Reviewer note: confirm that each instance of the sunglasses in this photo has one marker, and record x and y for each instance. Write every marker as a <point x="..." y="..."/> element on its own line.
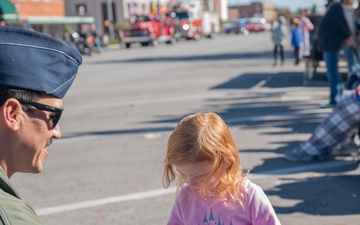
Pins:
<point x="54" y="118"/>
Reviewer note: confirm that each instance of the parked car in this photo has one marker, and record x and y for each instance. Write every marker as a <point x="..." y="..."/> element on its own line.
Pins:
<point x="236" y="26"/>
<point x="257" y="25"/>
<point x="227" y="28"/>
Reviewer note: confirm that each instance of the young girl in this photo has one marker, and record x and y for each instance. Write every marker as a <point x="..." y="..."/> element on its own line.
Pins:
<point x="201" y="153"/>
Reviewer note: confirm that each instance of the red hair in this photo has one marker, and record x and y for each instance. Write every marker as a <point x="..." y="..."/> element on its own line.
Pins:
<point x="204" y="137"/>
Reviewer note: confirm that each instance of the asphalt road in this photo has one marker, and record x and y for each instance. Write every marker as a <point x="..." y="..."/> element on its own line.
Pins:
<point x="107" y="168"/>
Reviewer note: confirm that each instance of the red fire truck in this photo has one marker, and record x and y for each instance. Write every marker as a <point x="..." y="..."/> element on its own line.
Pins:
<point x="150" y="30"/>
<point x="194" y="21"/>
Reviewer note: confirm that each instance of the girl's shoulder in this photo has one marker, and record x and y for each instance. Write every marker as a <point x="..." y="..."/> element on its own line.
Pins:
<point x="251" y="188"/>
<point x="248" y="185"/>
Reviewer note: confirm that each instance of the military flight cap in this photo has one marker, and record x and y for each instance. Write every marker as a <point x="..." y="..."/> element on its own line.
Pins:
<point x="36" y="61"/>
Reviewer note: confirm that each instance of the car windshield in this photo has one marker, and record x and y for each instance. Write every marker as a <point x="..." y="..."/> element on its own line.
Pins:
<point x="182" y="15"/>
<point x="142" y="18"/>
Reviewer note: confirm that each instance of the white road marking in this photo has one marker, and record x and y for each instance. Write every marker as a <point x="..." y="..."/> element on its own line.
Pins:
<point x="172" y="190"/>
<point x="287" y="98"/>
<point x="261" y="83"/>
<point x="105" y="201"/>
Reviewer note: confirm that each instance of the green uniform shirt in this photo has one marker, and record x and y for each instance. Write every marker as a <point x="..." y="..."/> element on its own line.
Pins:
<point x="13" y="210"/>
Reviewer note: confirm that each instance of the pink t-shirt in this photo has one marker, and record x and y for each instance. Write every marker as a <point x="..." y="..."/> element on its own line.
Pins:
<point x="190" y="209"/>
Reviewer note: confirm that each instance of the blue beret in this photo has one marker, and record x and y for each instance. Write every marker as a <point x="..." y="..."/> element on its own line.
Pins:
<point x="35" y="61"/>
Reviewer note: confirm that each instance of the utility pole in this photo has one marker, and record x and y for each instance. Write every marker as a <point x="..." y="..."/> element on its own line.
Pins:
<point x="111" y="20"/>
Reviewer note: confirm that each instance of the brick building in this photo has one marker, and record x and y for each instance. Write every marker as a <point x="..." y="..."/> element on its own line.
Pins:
<point x="47" y="16"/>
<point x="266" y="10"/>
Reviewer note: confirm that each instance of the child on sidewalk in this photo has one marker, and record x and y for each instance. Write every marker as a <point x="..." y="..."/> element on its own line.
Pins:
<point x="296" y="39"/>
<point x="202" y="154"/>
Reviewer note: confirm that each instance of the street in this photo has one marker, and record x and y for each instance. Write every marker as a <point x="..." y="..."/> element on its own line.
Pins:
<point x="107" y="167"/>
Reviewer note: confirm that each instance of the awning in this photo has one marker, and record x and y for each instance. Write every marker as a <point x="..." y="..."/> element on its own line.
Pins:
<point x="8" y="11"/>
<point x="57" y="19"/>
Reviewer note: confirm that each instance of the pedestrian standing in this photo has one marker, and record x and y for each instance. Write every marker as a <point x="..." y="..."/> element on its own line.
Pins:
<point x="2" y="22"/>
<point x="201" y="153"/>
<point x="334" y="33"/>
<point x="296" y="39"/>
<point x="97" y="41"/>
<point x="350" y="51"/>
<point x="306" y="26"/>
<point x="36" y="71"/>
<point x="278" y="36"/>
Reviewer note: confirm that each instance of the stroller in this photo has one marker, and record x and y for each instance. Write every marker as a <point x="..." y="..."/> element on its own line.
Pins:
<point x="312" y="62"/>
<point x="315" y="59"/>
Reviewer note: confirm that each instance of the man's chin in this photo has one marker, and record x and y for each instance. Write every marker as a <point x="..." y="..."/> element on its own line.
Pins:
<point x="37" y="169"/>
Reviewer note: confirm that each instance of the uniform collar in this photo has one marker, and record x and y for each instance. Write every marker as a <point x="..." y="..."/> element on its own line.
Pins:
<point x="5" y="184"/>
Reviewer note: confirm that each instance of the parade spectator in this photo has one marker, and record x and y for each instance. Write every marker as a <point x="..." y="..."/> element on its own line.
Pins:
<point x="202" y="154"/>
<point x="67" y="38"/>
<point x="296" y="39"/>
<point x="328" y="4"/>
<point x="333" y="34"/>
<point x="306" y="26"/>
<point x="278" y="36"/>
<point x="350" y="51"/>
<point x="36" y="71"/>
<point x="97" y="41"/>
<point x="2" y="22"/>
<point x="357" y="27"/>
<point x="353" y="77"/>
<point x="335" y="133"/>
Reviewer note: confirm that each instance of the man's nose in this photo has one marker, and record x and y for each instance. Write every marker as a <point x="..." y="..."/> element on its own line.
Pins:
<point x="57" y="132"/>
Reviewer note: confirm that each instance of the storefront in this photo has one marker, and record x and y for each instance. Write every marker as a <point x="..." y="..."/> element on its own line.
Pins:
<point x="55" y="25"/>
<point x="8" y="11"/>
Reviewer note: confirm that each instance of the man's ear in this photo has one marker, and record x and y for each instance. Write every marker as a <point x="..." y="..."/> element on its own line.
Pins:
<point x="11" y="113"/>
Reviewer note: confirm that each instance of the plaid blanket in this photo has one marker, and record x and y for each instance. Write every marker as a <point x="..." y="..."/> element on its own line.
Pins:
<point x="341" y="124"/>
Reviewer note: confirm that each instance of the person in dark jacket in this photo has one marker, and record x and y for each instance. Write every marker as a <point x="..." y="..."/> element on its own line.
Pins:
<point x="333" y="34"/>
<point x="36" y="71"/>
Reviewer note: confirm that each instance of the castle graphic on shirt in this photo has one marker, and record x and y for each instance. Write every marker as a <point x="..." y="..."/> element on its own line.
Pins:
<point x="212" y="220"/>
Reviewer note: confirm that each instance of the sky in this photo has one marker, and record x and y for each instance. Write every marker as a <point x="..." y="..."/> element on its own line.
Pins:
<point x="293" y="5"/>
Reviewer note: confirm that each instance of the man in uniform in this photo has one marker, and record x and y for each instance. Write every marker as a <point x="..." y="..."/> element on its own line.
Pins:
<point x="36" y="71"/>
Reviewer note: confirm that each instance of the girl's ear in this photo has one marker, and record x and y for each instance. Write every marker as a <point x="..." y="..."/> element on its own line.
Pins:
<point x="10" y="111"/>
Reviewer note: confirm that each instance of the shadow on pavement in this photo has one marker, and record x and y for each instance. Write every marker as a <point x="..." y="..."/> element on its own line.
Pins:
<point x="280" y="166"/>
<point x="274" y="80"/>
<point x="328" y="195"/>
<point x="186" y="58"/>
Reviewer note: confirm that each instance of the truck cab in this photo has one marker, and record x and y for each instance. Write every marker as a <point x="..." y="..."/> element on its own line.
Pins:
<point x="150" y="30"/>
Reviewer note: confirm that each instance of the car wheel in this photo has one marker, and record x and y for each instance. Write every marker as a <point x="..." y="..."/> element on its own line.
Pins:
<point x="171" y="41"/>
<point x="197" y="36"/>
<point x="155" y="42"/>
